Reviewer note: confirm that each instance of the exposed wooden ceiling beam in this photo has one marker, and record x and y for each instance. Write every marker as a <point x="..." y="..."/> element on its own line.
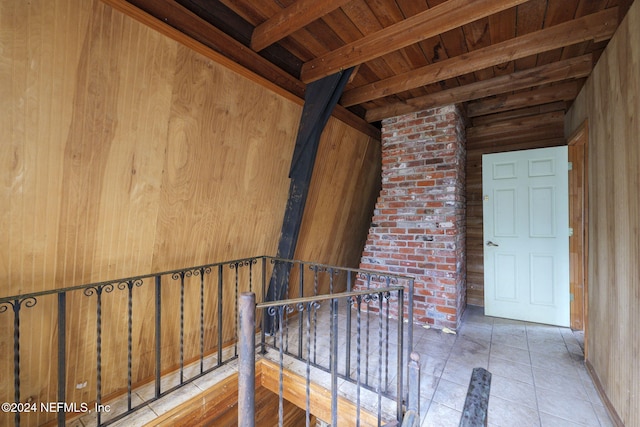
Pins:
<point x="507" y="128"/>
<point x="598" y="26"/>
<point x="563" y="70"/>
<point x="561" y="92"/>
<point x="291" y="19"/>
<point x="223" y="18"/>
<point x="436" y="20"/>
<point x="520" y="112"/>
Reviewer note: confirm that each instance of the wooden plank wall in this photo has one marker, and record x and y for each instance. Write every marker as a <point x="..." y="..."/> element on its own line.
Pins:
<point x="610" y="101"/>
<point x="533" y="127"/>
<point x="124" y="152"/>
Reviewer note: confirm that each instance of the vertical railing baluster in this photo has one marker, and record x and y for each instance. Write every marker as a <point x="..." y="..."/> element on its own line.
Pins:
<point x="386" y="352"/>
<point x="274" y="297"/>
<point x="281" y="367"/>
<point x="16" y="305"/>
<point x="380" y="312"/>
<point x="347" y="365"/>
<point x="334" y="362"/>
<point x="308" y="378"/>
<point x="286" y="325"/>
<point x="202" y="273"/>
<point x="16" y="357"/>
<point x="235" y="315"/>
<point x="358" y="357"/>
<point x="332" y="355"/>
<point x="220" y="316"/>
<point x="129" y="286"/>
<point x="366" y="351"/>
<point x="263" y="333"/>
<point x="129" y="341"/>
<point x="99" y="354"/>
<point x="400" y="359"/>
<point x="410" y="316"/>
<point x="182" y="276"/>
<point x="98" y="290"/>
<point x="315" y="315"/>
<point x="300" y="294"/>
<point x="62" y="355"/>
<point x="158" y="329"/>
<point x="331" y="281"/>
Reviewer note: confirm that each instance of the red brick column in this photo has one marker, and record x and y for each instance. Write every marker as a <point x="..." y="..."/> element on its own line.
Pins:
<point x="418" y="227"/>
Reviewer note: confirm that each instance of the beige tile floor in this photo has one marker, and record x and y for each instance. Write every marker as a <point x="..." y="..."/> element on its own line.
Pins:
<point x="538" y="375"/>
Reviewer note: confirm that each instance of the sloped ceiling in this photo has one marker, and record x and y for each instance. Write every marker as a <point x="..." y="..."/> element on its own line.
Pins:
<point x="493" y="55"/>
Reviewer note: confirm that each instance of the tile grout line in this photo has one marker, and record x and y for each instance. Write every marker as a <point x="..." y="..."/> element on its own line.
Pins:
<point x="581" y="379"/>
<point x="533" y="377"/>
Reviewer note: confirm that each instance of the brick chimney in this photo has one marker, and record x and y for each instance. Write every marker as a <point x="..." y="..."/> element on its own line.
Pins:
<point x="418" y="227"/>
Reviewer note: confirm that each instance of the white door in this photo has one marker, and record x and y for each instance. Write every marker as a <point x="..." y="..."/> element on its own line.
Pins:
<point x="526" y="235"/>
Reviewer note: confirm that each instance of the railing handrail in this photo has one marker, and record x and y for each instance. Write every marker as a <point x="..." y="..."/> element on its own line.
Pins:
<point x="198" y="267"/>
<point x="325" y="297"/>
<point x="127" y="279"/>
<point x="335" y="267"/>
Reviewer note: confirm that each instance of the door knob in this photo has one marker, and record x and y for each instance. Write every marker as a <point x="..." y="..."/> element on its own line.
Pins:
<point x="490" y="243"/>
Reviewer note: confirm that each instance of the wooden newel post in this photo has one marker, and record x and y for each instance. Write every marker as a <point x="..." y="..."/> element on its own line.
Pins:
<point x="247" y="360"/>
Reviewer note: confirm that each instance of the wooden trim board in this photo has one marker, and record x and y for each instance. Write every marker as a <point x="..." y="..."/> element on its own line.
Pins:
<point x="217" y="399"/>
<point x="613" y="414"/>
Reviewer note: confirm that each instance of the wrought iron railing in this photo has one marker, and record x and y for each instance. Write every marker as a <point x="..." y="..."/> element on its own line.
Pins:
<point x="348" y="335"/>
<point x="182" y="321"/>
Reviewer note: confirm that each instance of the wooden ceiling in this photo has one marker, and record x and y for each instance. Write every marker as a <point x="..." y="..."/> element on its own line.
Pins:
<point x="494" y="55"/>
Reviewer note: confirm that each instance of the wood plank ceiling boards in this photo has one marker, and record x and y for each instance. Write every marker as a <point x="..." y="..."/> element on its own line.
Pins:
<point x="405" y="52"/>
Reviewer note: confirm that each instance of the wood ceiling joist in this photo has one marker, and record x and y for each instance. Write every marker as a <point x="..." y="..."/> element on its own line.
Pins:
<point x="520" y="142"/>
<point x="436" y="20"/>
<point x="519" y="113"/>
<point x="291" y="19"/>
<point x="563" y="70"/>
<point x="508" y="128"/>
<point x="598" y="26"/>
<point x="561" y="92"/>
<point x="232" y="24"/>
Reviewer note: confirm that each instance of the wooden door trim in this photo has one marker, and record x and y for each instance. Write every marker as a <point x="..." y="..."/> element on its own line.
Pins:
<point x="578" y="221"/>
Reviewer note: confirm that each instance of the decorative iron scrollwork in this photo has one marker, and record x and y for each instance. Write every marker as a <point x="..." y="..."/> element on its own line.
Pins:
<point x="98" y="289"/>
<point x="182" y="274"/>
<point x="290" y="308"/>
<point x="129" y="284"/>
<point x="17" y="304"/>
<point x="243" y="263"/>
<point x="202" y="271"/>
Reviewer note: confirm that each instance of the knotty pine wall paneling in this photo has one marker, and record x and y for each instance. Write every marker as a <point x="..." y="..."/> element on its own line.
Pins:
<point x="125" y="152"/>
<point x="610" y="101"/>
